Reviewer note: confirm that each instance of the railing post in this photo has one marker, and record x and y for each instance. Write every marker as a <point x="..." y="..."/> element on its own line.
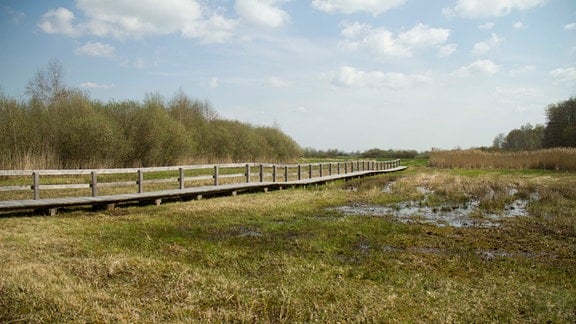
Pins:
<point x="310" y="171"/>
<point x="274" y="173"/>
<point x="330" y="168"/>
<point x="363" y="165"/>
<point x="352" y="167"/>
<point x="338" y="167"/>
<point x="299" y="172"/>
<point x="247" y="173"/>
<point x="345" y="167"/>
<point x="261" y="173"/>
<point x="216" y="175"/>
<point x="286" y="173"/>
<point x="94" y="184"/>
<point x="181" y="178"/>
<point x="36" y="185"/>
<point x="321" y="173"/>
<point x="140" y="181"/>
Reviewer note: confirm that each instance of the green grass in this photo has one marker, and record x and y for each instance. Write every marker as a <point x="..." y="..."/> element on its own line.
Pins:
<point x="284" y="256"/>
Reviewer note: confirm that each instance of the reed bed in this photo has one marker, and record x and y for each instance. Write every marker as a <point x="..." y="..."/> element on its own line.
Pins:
<point x="563" y="159"/>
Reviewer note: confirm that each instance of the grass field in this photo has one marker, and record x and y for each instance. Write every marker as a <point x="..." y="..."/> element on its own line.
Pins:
<point x="291" y="256"/>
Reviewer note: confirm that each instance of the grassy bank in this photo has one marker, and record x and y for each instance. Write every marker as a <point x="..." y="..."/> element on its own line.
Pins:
<point x="286" y="256"/>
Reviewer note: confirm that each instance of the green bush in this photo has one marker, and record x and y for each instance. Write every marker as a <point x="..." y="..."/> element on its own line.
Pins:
<point x="74" y="131"/>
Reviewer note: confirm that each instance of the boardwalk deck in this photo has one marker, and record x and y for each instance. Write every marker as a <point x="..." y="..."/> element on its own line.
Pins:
<point x="52" y="205"/>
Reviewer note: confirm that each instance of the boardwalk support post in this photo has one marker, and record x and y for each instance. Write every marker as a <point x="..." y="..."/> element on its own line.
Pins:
<point x="36" y="185"/>
<point x="181" y="178"/>
<point x="94" y="184"/>
<point x="140" y="181"/>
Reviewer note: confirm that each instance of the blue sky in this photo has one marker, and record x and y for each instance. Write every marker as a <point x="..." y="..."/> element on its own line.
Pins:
<point x="345" y="74"/>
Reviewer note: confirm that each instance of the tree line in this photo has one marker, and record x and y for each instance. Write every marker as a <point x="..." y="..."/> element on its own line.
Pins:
<point x="559" y="131"/>
<point x="62" y="127"/>
<point x="373" y="153"/>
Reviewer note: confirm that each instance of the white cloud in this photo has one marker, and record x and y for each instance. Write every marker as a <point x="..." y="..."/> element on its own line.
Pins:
<point x="302" y="109"/>
<point x="489" y="8"/>
<point x="355" y="30"/>
<point x="350" y="77"/>
<point x="479" y="67"/>
<point x="564" y="75"/>
<point x="262" y="12"/>
<point x="518" y="25"/>
<point x="485" y="46"/>
<point x="374" y="7"/>
<point x="58" y="21"/>
<point x="216" y="29"/>
<point x="522" y="70"/>
<point x="96" y="49"/>
<point x="385" y="43"/>
<point x="94" y="85"/>
<point x="277" y="82"/>
<point x="136" y="19"/>
<point x="446" y="50"/>
<point x="213" y="83"/>
<point x="487" y="26"/>
<point x="514" y="93"/>
<point x="16" y="16"/>
<point x="570" y="26"/>
<point x="139" y="63"/>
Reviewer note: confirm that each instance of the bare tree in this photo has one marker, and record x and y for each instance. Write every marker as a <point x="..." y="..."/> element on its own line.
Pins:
<point x="48" y="85"/>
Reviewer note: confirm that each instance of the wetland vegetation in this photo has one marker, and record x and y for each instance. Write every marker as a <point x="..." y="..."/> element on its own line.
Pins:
<point x="297" y="256"/>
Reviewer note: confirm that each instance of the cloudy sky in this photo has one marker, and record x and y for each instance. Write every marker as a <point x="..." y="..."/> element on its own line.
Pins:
<point x="345" y="74"/>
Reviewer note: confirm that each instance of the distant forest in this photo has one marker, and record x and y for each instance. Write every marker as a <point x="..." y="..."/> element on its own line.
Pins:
<point x="62" y="127"/>
<point x="559" y="131"/>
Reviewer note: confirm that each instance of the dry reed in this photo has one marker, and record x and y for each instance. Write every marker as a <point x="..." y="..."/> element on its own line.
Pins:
<point x="563" y="159"/>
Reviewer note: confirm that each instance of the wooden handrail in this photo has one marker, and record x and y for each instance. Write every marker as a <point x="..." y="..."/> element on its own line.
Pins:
<point x="263" y="172"/>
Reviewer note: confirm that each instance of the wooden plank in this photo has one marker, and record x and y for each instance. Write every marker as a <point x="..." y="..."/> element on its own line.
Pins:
<point x="14" y="188"/>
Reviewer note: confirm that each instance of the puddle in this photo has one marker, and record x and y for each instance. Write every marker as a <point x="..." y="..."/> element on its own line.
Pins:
<point x="242" y="231"/>
<point x="389" y="187"/>
<point x="454" y="215"/>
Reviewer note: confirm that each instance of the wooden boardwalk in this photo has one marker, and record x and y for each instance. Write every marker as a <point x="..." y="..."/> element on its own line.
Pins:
<point x="50" y="206"/>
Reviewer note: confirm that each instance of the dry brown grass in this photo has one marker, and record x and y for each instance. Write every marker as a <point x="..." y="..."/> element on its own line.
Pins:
<point x="284" y="257"/>
<point x="550" y="159"/>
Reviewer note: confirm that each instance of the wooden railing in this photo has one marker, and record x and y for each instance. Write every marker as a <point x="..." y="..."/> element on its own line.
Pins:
<point x="90" y="182"/>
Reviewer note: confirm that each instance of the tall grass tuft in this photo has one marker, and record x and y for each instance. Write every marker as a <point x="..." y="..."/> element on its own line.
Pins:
<point x="563" y="159"/>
